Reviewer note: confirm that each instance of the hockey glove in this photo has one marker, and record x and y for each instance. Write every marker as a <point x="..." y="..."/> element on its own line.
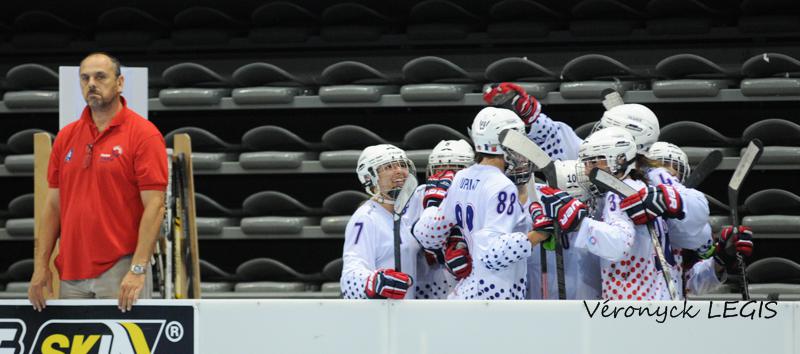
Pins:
<point x="436" y="188"/>
<point x="456" y="256"/>
<point x="542" y="224"/>
<point x="652" y="202"/>
<point x="434" y="256"/>
<point x="513" y="97"/>
<point x="563" y="208"/>
<point x="730" y="242"/>
<point x="388" y="284"/>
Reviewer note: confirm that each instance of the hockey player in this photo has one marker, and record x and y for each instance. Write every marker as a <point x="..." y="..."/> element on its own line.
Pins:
<point x="628" y="266"/>
<point x="438" y="270"/>
<point x="484" y="203"/>
<point x="368" y="256"/>
<point x="708" y="275"/>
<point x="560" y="142"/>
<point x="581" y="268"/>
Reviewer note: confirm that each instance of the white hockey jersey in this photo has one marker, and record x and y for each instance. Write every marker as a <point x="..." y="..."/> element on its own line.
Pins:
<point x="369" y="246"/>
<point x="484" y="203"/>
<point x="432" y="281"/>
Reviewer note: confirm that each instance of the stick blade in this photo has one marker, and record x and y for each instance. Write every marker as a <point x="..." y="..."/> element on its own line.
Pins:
<point x="607" y="182"/>
<point x="704" y="169"/>
<point x="746" y="163"/>
<point x="405" y="194"/>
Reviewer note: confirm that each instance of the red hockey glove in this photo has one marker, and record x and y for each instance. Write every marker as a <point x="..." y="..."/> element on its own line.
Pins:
<point x="388" y="284"/>
<point x="513" y="97"/>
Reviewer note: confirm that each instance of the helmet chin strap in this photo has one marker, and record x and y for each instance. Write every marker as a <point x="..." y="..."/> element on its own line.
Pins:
<point x="387" y="198"/>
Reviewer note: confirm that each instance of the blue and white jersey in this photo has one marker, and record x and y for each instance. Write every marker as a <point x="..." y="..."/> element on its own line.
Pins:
<point x="432" y="281"/>
<point x="557" y="139"/>
<point x="702" y="278"/>
<point x="369" y="246"/>
<point x="485" y="204"/>
<point x="581" y="270"/>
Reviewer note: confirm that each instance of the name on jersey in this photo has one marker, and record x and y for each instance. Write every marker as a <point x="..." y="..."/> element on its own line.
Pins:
<point x="469" y="184"/>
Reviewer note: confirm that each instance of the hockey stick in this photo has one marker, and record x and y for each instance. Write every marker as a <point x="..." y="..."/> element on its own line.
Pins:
<point x="520" y="143"/>
<point x="400" y="201"/>
<point x="749" y="158"/>
<point x="704" y="169"/>
<point x="606" y="181"/>
<point x="534" y="197"/>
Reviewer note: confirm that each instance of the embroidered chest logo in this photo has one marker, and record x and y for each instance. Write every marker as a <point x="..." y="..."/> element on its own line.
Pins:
<point x="68" y="158"/>
<point x="116" y="152"/>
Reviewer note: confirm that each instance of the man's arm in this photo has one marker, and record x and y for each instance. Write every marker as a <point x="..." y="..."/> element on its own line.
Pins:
<point x="149" y="226"/>
<point x="43" y="248"/>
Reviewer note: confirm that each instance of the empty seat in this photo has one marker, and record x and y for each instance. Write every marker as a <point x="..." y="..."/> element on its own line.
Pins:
<point x="193" y="84"/>
<point x="774" y="270"/>
<point x="20" y="145"/>
<point x="348" y="22"/>
<point x="203" y="26"/>
<point x="282" y="22"/>
<point x="268" y="275"/>
<point x="781" y="139"/>
<point x="341" y="205"/>
<point x="20" y="222"/>
<point x="604" y="18"/>
<point x="437" y="79"/>
<point x="275" y="147"/>
<point x="208" y="150"/>
<point x="534" y="78"/>
<point x="264" y="83"/>
<point x="689" y="75"/>
<point x="509" y="18"/>
<point x="717" y="222"/>
<point x="771" y="74"/>
<point x="215" y="280"/>
<point x="698" y="140"/>
<point x="428" y="135"/>
<point x="346" y="141"/>
<point x="351" y="81"/>
<point x="589" y="75"/>
<point x="331" y="274"/>
<point x="774" y="213"/>
<point x="42" y="29"/>
<point x="31" y="86"/>
<point x="440" y="20"/>
<point x="128" y="26"/>
<point x="271" y="212"/>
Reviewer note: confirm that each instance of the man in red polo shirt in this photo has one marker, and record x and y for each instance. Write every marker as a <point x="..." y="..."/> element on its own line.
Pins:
<point x="107" y="178"/>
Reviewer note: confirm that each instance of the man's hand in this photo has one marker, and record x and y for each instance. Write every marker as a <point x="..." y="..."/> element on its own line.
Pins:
<point x="513" y="97"/>
<point x="132" y="285"/>
<point x="40" y="281"/>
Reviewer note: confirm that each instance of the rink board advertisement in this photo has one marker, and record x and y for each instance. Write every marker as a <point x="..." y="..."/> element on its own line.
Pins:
<point x="97" y="329"/>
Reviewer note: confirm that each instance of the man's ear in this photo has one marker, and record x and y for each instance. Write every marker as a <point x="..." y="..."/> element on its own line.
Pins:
<point x="121" y="82"/>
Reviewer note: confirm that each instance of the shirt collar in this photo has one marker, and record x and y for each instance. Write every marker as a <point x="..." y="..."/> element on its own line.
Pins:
<point x="118" y="119"/>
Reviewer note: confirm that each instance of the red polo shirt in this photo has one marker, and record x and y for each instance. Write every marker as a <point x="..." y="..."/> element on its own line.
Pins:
<point x="99" y="177"/>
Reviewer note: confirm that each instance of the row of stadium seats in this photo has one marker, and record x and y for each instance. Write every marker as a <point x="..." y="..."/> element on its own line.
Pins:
<point x="772" y="213"/>
<point x="287" y="22"/>
<point x="433" y="78"/>
<point x="272" y="147"/>
<point x="772" y="278"/>
<point x="254" y="278"/>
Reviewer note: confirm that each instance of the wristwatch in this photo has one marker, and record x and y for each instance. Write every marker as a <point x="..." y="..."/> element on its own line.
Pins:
<point x="137" y="269"/>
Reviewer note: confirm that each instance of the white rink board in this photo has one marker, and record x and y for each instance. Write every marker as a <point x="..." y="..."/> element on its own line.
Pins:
<point x="477" y="327"/>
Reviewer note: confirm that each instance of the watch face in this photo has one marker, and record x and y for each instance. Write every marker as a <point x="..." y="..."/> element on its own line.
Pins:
<point x="137" y="269"/>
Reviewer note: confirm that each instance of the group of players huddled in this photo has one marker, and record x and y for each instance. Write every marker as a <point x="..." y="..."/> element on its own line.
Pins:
<point x="477" y="230"/>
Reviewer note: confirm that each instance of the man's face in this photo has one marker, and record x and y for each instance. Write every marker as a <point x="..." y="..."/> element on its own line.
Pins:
<point x="99" y="83"/>
<point x="590" y="164"/>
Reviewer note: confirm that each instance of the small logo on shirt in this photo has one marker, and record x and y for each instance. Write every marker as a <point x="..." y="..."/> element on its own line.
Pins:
<point x="69" y="156"/>
<point x="116" y="151"/>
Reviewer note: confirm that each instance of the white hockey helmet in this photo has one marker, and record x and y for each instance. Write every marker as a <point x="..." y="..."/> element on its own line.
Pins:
<point x="448" y="153"/>
<point x="613" y="144"/>
<point x="376" y="156"/>
<point x="637" y="119"/>
<point x="488" y="124"/>
<point x="567" y="173"/>
<point x="670" y="155"/>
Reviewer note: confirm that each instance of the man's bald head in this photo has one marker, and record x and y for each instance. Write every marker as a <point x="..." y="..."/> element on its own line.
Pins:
<point x="115" y="64"/>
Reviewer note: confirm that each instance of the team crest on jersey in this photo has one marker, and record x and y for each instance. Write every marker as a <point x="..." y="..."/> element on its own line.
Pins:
<point x="68" y="158"/>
